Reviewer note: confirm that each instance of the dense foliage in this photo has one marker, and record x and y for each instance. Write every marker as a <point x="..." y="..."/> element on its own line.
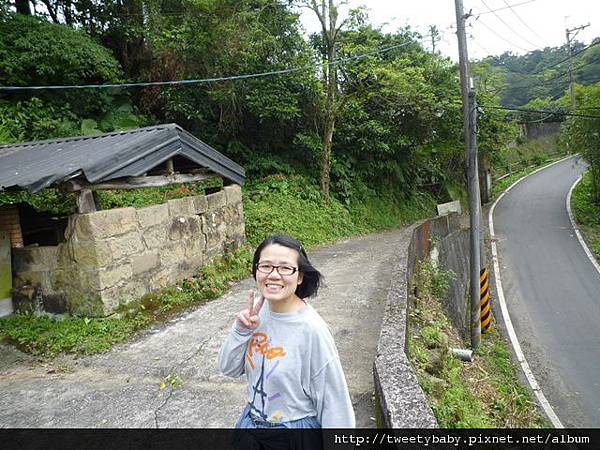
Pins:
<point x="35" y="52"/>
<point x="398" y="128"/>
<point x="541" y="74"/>
<point x="582" y="134"/>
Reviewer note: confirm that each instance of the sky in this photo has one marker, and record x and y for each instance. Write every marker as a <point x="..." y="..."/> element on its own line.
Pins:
<point x="529" y="25"/>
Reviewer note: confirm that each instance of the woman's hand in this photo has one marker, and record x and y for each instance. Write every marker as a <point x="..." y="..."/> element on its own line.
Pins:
<point x="248" y="318"/>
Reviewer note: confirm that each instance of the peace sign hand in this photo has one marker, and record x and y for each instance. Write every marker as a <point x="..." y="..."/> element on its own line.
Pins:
<point x="248" y="318"/>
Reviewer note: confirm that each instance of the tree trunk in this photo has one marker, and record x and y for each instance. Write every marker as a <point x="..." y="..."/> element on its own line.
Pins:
<point x="329" y="123"/>
<point x="327" y="141"/>
<point x="23" y="7"/>
<point x="68" y="13"/>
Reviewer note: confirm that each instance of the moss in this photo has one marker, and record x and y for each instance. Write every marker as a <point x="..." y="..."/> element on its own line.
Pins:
<point x="5" y="280"/>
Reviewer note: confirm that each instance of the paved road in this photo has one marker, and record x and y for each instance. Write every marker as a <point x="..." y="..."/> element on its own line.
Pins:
<point x="121" y="388"/>
<point x="552" y="291"/>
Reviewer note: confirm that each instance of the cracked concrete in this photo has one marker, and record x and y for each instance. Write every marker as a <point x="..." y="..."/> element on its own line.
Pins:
<point x="121" y="388"/>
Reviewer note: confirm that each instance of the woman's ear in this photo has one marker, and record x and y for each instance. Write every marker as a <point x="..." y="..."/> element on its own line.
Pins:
<point x="300" y="277"/>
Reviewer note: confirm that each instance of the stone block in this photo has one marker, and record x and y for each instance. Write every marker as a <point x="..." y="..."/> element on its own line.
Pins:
<point x="213" y="253"/>
<point x="200" y="204"/>
<point x="156" y="236"/>
<point x="123" y="294"/>
<point x="195" y="261"/>
<point x="181" y="207"/>
<point x="144" y="262"/>
<point x="159" y="279"/>
<point x="34" y="258"/>
<point x="110" y="277"/>
<point x="86" y="303"/>
<point x="92" y="254"/>
<point x="216" y="200"/>
<point x="184" y="228"/>
<point x="104" y="224"/>
<point x="233" y="194"/>
<point x="231" y="215"/>
<point x="195" y="246"/>
<point x="41" y="279"/>
<point x="237" y="234"/>
<point x="153" y="215"/>
<point x="172" y="255"/>
<point x="215" y="229"/>
<point x="126" y="246"/>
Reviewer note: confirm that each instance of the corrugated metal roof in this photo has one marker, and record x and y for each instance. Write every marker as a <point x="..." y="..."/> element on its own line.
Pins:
<point x="39" y="164"/>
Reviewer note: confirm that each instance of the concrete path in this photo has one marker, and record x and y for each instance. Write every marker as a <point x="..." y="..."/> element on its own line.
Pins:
<point x="121" y="388"/>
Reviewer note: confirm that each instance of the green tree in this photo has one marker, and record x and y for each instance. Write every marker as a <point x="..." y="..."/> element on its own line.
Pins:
<point x="582" y="134"/>
<point x="327" y="11"/>
<point x="36" y="52"/>
<point x="257" y="121"/>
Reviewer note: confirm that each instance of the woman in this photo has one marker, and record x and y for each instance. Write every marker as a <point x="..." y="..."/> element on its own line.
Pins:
<point x="295" y="379"/>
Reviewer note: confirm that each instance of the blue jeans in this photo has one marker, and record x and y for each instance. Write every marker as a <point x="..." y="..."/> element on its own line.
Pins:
<point x="254" y="434"/>
<point x="246" y="420"/>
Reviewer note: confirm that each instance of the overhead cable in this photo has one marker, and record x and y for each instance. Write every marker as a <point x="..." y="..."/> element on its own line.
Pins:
<point x="509" y="27"/>
<point x="514" y="5"/>
<point x="521" y="20"/>
<point x="206" y="80"/>
<point x="542" y="111"/>
<point x="478" y="20"/>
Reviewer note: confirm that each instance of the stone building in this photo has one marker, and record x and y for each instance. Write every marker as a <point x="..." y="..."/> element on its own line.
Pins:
<point x="93" y="261"/>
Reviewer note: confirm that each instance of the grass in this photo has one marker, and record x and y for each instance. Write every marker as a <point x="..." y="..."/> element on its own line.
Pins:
<point x="587" y="213"/>
<point x="481" y="394"/>
<point x="48" y="336"/>
<point x="513" y="163"/>
<point x="293" y="204"/>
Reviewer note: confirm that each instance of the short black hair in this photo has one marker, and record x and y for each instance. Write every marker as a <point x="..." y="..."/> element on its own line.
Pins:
<point x="311" y="277"/>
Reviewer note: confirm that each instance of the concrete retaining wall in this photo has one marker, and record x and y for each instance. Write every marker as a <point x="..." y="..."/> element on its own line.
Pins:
<point x="539" y="130"/>
<point x="403" y="403"/>
<point x="112" y="257"/>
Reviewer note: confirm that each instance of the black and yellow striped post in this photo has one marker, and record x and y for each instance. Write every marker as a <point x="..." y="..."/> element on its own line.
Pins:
<point x="485" y="301"/>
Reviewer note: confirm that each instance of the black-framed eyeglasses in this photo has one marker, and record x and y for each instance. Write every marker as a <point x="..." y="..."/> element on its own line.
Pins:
<point x="284" y="271"/>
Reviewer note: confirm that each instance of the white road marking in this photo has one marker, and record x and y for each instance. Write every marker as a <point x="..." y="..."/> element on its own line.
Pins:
<point x="586" y="249"/>
<point x="537" y="390"/>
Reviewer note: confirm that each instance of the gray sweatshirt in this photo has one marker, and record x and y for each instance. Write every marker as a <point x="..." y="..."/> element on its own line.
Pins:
<point x="292" y="367"/>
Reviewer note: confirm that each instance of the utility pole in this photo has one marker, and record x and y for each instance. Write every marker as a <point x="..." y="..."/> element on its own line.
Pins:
<point x="470" y="136"/>
<point x="571" y="75"/>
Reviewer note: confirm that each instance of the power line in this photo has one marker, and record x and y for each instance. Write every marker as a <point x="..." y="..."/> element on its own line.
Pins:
<point x="521" y="20"/>
<point x="543" y="119"/>
<point x="503" y="8"/>
<point x="542" y="111"/>
<point x="545" y="82"/>
<point x="205" y="80"/>
<point x="508" y="26"/>
<point x="474" y="41"/>
<point x="567" y="58"/>
<point x="541" y="69"/>
<point x="478" y="20"/>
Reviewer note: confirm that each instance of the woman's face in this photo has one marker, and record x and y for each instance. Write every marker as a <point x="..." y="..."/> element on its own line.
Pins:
<point x="273" y="286"/>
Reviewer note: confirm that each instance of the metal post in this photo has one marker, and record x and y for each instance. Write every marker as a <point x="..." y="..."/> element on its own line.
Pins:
<point x="571" y="84"/>
<point x="571" y="75"/>
<point x="475" y="223"/>
<point x="470" y="136"/>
